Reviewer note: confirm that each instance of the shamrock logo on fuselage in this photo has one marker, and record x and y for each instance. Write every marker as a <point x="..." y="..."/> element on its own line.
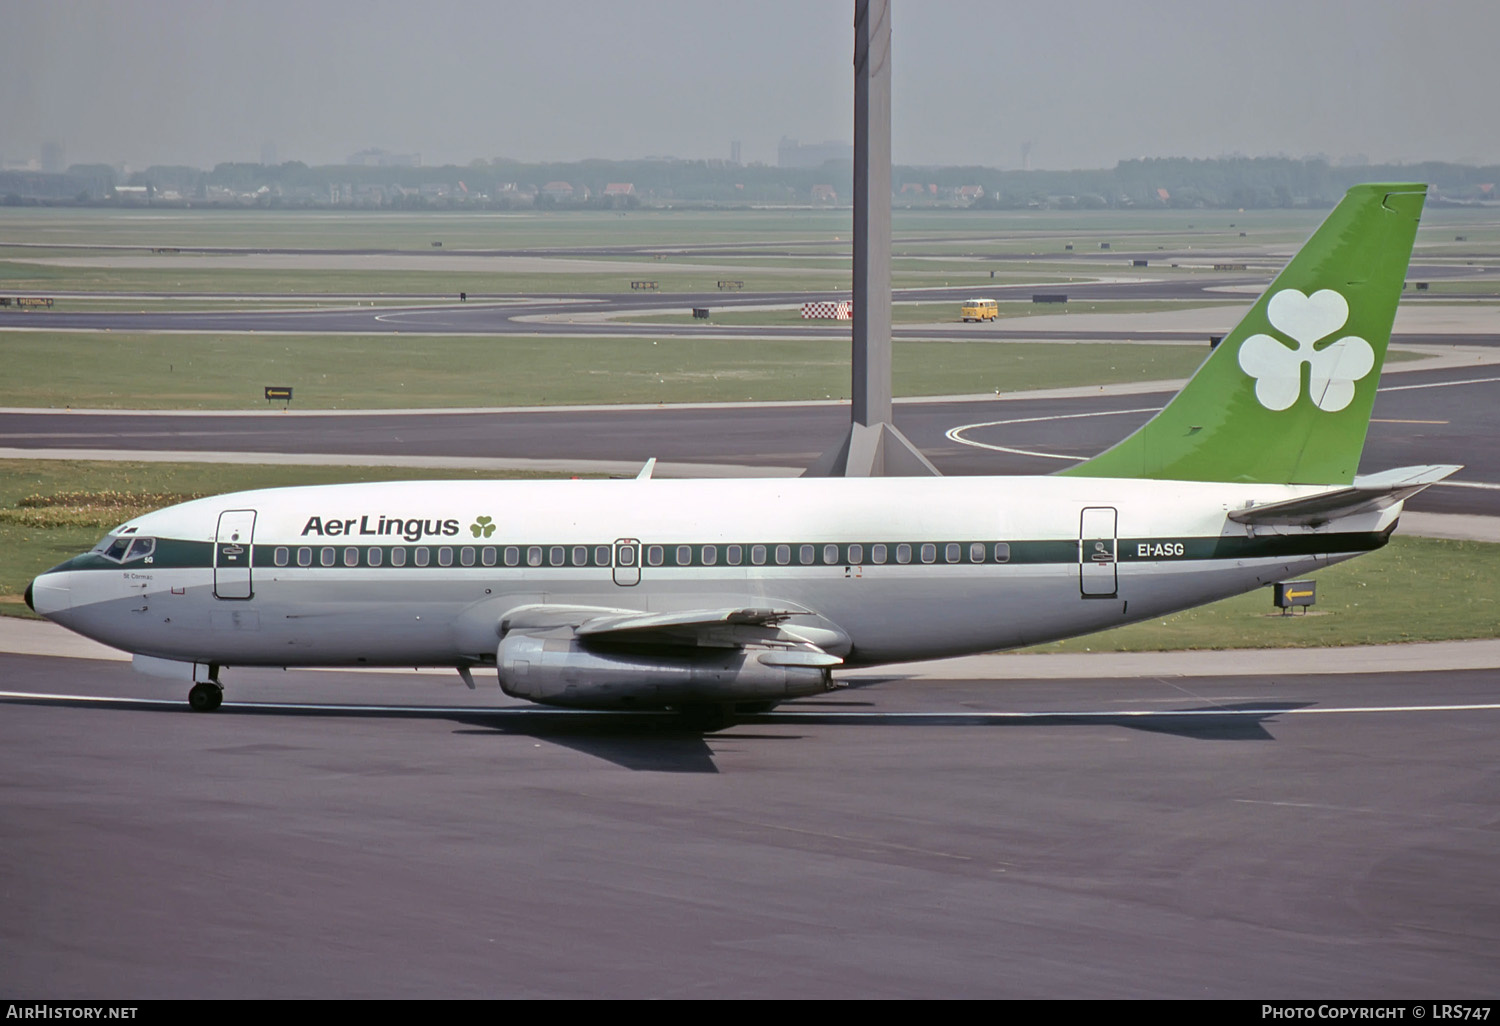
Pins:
<point x="482" y="527"/>
<point x="1335" y="368"/>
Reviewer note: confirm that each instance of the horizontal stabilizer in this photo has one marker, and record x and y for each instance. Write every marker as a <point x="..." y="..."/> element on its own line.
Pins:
<point x="1368" y="494"/>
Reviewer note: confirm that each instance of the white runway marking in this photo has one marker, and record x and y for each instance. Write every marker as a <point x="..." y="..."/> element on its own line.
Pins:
<point x="293" y="706"/>
<point x="1439" y="384"/>
<point x="790" y="713"/>
<point x="956" y="434"/>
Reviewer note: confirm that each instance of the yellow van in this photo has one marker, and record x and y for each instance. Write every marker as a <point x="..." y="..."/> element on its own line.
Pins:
<point x="980" y="310"/>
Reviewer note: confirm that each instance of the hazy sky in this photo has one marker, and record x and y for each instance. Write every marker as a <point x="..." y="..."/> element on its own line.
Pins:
<point x="1088" y="82"/>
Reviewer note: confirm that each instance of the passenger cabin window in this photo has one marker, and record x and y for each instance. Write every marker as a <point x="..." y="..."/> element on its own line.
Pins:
<point x="466" y="555"/>
<point x="953" y="552"/>
<point x="783" y="554"/>
<point x="758" y="554"/>
<point x="655" y="555"/>
<point x="512" y="555"/>
<point x="534" y="555"/>
<point x="351" y="557"/>
<point x="877" y="553"/>
<point x="398" y="556"/>
<point x="805" y="555"/>
<point x="976" y="552"/>
<point x="282" y="556"/>
<point x="856" y="553"/>
<point x="326" y="556"/>
<point x="580" y="555"/>
<point x="929" y="553"/>
<point x="1002" y="552"/>
<point x="710" y="555"/>
<point x="487" y="555"/>
<point x="684" y="555"/>
<point x="304" y="556"/>
<point x="374" y="555"/>
<point x="830" y="554"/>
<point x="601" y="555"/>
<point x="733" y="555"/>
<point x="556" y="556"/>
<point x="445" y="556"/>
<point x="421" y="557"/>
<point x="903" y="553"/>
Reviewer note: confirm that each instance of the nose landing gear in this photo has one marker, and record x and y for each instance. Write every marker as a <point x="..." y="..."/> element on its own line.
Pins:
<point x="207" y="695"/>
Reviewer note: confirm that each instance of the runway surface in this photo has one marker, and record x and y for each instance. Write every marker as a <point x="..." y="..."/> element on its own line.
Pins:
<point x="1252" y="837"/>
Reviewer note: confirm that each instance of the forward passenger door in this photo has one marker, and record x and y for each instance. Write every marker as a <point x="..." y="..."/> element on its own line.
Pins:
<point x="234" y="549"/>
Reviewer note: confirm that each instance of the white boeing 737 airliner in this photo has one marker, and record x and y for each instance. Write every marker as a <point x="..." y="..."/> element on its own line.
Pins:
<point x="714" y="596"/>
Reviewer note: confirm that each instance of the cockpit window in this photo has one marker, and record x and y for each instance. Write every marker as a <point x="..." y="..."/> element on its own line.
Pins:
<point x="125" y="550"/>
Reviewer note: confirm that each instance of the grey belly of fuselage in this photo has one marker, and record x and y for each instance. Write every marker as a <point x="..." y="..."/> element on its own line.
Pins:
<point x="891" y="616"/>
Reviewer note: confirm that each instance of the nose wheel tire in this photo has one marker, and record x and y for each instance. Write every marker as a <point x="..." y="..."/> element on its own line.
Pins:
<point x="205" y="697"/>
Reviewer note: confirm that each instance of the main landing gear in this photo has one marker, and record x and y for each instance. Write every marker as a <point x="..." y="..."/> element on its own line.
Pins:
<point x="207" y="695"/>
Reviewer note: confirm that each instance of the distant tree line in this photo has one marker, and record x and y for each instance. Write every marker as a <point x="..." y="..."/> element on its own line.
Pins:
<point x="1250" y="183"/>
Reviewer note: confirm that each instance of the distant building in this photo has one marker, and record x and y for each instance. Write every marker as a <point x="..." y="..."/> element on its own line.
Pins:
<point x="620" y="189"/>
<point x="734" y="152"/>
<point x="824" y="194"/>
<point x="970" y="192"/>
<point x="791" y="153"/>
<point x="558" y="190"/>
<point x="52" y="158"/>
<point x="380" y="158"/>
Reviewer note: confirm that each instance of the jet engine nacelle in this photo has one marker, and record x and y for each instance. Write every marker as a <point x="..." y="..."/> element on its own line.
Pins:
<point x="563" y="671"/>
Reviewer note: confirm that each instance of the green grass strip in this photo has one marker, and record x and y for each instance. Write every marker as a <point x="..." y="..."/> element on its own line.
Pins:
<point x="204" y="372"/>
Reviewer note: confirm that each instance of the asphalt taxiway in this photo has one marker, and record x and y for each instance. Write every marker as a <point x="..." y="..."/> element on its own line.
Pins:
<point x="373" y="835"/>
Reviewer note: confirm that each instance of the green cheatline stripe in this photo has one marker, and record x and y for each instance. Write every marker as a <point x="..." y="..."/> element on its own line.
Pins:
<point x="173" y="555"/>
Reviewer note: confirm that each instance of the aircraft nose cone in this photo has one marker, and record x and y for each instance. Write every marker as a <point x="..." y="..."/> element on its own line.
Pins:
<point x="49" y="594"/>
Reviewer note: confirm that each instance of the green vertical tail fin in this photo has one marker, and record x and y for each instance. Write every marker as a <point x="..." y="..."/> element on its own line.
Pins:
<point x="1286" y="397"/>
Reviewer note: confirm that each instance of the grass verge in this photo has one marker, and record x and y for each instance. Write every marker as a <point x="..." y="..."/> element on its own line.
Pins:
<point x="1414" y="589"/>
<point x="199" y="372"/>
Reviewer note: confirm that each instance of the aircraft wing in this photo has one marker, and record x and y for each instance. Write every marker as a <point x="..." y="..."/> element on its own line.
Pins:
<point x="1367" y="494"/>
<point x="731" y="627"/>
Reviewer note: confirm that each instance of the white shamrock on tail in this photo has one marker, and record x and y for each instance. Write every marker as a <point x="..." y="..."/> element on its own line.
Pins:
<point x="1277" y="370"/>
